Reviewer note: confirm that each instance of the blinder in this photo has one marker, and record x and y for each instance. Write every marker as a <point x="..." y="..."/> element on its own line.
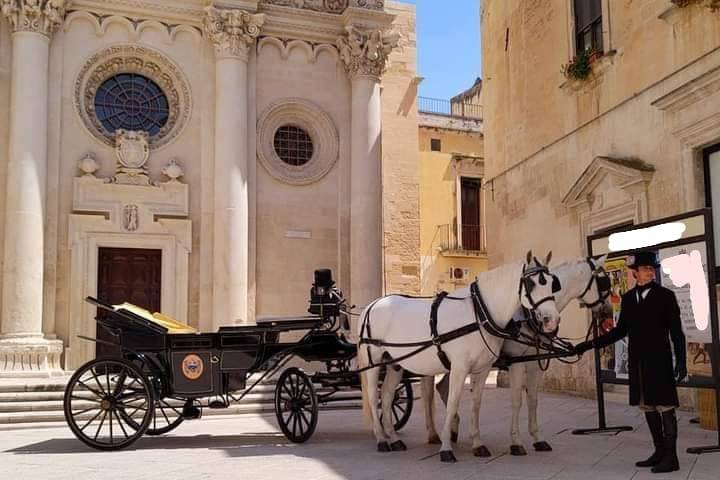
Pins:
<point x="556" y="286"/>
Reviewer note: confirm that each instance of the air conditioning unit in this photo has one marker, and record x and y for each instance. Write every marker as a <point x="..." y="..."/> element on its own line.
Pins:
<point x="459" y="274"/>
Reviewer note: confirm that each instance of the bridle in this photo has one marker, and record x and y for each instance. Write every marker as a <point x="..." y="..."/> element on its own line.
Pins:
<point x="602" y="282"/>
<point x="526" y="281"/>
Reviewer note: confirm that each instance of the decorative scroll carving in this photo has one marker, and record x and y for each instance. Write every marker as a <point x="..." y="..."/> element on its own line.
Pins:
<point x="132" y="151"/>
<point x="365" y="52"/>
<point x="232" y="31"/>
<point x="329" y="6"/>
<point x="39" y="16"/>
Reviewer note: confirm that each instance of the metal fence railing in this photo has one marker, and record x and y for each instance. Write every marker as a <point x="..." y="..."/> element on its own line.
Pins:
<point x="472" y="238"/>
<point x="439" y="106"/>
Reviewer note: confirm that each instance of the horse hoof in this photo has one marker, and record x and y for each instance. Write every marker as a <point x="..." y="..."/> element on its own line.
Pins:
<point x="434" y="440"/>
<point x="447" y="456"/>
<point x="398" y="446"/>
<point x="481" y="451"/>
<point x="517" y="450"/>
<point x="454" y="437"/>
<point x="542" y="446"/>
<point x="383" y="447"/>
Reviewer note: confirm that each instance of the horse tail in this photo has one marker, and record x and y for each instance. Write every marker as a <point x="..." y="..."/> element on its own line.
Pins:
<point x="364" y="362"/>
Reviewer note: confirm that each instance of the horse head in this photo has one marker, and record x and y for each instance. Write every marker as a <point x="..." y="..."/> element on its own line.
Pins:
<point x="596" y="295"/>
<point x="536" y="292"/>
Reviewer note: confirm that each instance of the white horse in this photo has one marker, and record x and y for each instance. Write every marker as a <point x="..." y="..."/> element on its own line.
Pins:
<point x="583" y="279"/>
<point x="393" y="327"/>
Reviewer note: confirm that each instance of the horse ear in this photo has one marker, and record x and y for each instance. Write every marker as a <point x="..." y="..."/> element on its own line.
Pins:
<point x="601" y="260"/>
<point x="549" y="257"/>
<point x="529" y="257"/>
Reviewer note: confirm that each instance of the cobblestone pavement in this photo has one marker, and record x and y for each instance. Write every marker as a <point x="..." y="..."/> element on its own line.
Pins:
<point x="251" y="447"/>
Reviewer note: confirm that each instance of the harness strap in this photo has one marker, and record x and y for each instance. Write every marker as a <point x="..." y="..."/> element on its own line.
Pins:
<point x="434" y="331"/>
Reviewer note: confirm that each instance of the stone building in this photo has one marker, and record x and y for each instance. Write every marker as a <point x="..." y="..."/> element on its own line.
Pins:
<point x="452" y="198"/>
<point x="200" y="159"/>
<point x="622" y="139"/>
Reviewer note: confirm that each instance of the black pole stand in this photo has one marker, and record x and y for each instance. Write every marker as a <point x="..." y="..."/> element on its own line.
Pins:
<point x="602" y="424"/>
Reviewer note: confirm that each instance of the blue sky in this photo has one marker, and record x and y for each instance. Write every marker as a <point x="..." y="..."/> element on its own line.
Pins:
<point x="448" y="45"/>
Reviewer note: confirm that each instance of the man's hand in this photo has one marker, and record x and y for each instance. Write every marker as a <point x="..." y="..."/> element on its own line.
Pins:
<point x="583" y="347"/>
<point x="680" y="372"/>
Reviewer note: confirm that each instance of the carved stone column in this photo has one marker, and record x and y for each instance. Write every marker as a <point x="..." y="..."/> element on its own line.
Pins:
<point x="231" y="32"/>
<point x="23" y="349"/>
<point x="364" y="54"/>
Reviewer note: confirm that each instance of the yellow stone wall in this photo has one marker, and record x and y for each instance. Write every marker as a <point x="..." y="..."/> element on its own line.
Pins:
<point x="401" y="234"/>
<point x="438" y="207"/>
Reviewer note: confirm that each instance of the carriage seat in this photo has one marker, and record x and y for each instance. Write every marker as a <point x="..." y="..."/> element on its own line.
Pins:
<point x="172" y="325"/>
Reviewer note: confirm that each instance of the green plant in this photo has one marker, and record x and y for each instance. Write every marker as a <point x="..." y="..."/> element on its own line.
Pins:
<point x="580" y="67"/>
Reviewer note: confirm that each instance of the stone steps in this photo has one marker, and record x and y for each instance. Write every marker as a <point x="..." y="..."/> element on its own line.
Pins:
<point x="35" y="401"/>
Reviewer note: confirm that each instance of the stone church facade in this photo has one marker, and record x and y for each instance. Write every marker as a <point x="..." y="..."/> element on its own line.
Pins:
<point x="624" y="145"/>
<point x="199" y="158"/>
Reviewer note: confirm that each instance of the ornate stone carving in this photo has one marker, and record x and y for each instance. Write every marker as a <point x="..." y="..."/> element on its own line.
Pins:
<point x="713" y="5"/>
<point x="329" y="6"/>
<point x="173" y="171"/>
<point x="231" y="31"/>
<point x="318" y="125"/>
<point x="365" y="52"/>
<point x="132" y="151"/>
<point x="39" y="16"/>
<point x="88" y="165"/>
<point x="133" y="59"/>
<point x="130" y="218"/>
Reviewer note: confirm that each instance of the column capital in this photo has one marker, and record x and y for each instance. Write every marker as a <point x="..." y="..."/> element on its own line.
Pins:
<point x="39" y="16"/>
<point x="231" y="31"/>
<point x="365" y="52"/>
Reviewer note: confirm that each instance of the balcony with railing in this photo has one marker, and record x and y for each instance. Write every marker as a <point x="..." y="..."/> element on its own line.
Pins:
<point x="470" y="243"/>
<point x="446" y="108"/>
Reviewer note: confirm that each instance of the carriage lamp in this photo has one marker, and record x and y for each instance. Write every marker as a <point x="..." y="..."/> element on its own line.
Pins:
<point x="325" y="299"/>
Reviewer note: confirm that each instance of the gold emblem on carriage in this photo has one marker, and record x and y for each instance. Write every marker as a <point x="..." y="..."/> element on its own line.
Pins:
<point x="192" y="367"/>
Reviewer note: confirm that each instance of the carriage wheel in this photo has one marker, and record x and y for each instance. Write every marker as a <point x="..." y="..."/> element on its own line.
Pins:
<point x="167" y="416"/>
<point x="107" y="404"/>
<point x="296" y="405"/>
<point x="402" y="404"/>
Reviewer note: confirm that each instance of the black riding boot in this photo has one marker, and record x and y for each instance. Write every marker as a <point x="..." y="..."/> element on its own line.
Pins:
<point x="654" y="421"/>
<point x="669" y="462"/>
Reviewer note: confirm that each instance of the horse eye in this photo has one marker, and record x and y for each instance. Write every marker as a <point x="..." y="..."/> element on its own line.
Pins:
<point x="542" y="279"/>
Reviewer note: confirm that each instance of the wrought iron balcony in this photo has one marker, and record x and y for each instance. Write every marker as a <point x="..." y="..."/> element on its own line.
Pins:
<point x="471" y="241"/>
<point x="437" y="106"/>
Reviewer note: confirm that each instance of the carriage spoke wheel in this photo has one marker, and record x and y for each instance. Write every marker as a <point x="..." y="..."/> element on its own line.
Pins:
<point x="296" y="405"/>
<point x="402" y="404"/>
<point x="107" y="404"/>
<point x="166" y="417"/>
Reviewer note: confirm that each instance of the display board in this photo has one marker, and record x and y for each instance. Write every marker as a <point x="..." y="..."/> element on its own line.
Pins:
<point x="683" y="244"/>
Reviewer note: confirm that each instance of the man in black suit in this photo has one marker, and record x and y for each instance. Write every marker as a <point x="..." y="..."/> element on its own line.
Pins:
<point x="649" y="317"/>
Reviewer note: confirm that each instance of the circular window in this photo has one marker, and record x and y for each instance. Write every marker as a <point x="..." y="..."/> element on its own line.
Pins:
<point x="293" y="145"/>
<point x="132" y="88"/>
<point x="132" y="102"/>
<point x="297" y="142"/>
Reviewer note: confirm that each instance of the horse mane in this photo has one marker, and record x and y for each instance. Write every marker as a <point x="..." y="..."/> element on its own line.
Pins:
<point x="497" y="286"/>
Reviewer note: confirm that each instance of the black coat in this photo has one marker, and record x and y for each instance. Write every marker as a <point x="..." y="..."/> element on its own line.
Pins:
<point x="647" y="325"/>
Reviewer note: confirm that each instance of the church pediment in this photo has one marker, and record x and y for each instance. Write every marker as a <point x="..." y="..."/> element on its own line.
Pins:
<point x="607" y="182"/>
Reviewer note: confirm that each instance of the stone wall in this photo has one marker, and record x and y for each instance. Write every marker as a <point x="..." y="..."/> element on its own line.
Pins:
<point x="579" y="156"/>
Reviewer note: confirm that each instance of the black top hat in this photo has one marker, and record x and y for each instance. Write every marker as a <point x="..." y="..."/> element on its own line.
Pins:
<point x="643" y="258"/>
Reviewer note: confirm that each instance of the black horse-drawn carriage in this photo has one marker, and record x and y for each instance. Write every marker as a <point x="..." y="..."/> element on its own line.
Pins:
<point x="167" y="372"/>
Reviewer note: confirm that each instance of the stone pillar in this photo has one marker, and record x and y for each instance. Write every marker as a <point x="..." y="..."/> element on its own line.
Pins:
<point x="23" y="349"/>
<point x="231" y="32"/>
<point x="364" y="54"/>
